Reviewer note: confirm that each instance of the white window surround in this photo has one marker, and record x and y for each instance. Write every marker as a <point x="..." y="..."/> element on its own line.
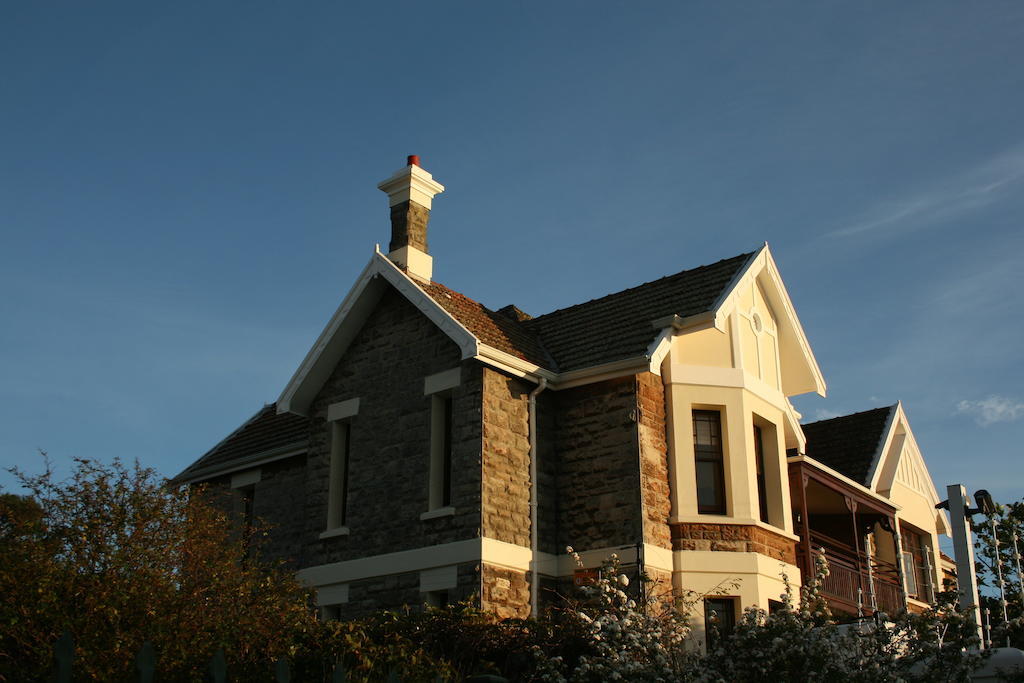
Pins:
<point x="333" y="594"/>
<point x="439" y="486"/>
<point x="343" y="410"/>
<point x="337" y="493"/>
<point x="247" y="478"/>
<point x="439" y="578"/>
<point x="336" y="531"/>
<point x="442" y="381"/>
<point x="439" y="512"/>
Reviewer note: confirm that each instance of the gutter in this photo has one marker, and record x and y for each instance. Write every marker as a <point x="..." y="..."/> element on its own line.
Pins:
<point x="534" y="508"/>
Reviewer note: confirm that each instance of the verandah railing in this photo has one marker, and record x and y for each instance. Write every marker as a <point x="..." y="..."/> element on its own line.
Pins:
<point x="854" y="577"/>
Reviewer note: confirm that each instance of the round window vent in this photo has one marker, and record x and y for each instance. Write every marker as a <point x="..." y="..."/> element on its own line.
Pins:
<point x="756" y="321"/>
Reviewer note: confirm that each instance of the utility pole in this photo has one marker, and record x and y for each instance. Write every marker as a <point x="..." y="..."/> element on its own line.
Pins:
<point x="963" y="550"/>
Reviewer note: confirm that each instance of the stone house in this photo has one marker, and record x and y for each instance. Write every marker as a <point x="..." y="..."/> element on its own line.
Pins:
<point x="430" y="449"/>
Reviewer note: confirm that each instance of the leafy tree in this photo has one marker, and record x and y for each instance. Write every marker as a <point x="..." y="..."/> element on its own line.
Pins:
<point x="117" y="557"/>
<point x="997" y="531"/>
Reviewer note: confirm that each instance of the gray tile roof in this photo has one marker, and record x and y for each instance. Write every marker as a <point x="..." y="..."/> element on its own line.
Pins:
<point x="614" y="327"/>
<point x="849" y="444"/>
<point x="264" y="433"/>
<point x="618" y="326"/>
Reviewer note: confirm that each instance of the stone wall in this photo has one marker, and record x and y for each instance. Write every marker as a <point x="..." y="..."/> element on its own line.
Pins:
<point x="395" y="591"/>
<point x="506" y="458"/>
<point x="741" y="538"/>
<point x="389" y="459"/>
<point x="654" y="486"/>
<point x="278" y="507"/>
<point x="505" y="592"/>
<point x="598" y="465"/>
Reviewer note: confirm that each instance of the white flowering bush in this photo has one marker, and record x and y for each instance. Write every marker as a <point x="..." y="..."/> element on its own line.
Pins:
<point x="799" y="641"/>
<point x="627" y="640"/>
<point x="804" y="643"/>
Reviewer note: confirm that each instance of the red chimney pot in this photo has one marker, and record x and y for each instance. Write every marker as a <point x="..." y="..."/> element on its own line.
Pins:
<point x="413" y="160"/>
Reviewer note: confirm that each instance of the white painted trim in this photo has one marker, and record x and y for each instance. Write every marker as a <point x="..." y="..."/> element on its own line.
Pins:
<point x="439" y="578"/>
<point x="442" y="381"/>
<point x="733" y="564"/>
<point x="899" y="418"/>
<point x="845" y="479"/>
<point x="333" y="341"/>
<point x="486" y="550"/>
<point x="514" y="364"/>
<point x="334" y="594"/>
<point x="336" y="531"/>
<point x="343" y="410"/>
<point x="418" y="262"/>
<point x="439" y="512"/>
<point x="659" y="349"/>
<point x="205" y="474"/>
<point x="597" y="373"/>
<point x="246" y="478"/>
<point x="411" y="183"/>
<point x="884" y="444"/>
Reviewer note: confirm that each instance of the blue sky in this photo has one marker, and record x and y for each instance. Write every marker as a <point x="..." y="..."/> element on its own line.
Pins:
<point x="187" y="191"/>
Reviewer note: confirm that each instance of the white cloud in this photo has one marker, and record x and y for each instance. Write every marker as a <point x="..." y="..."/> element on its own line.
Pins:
<point x="822" y="414"/>
<point x="993" y="409"/>
<point x="970" y="190"/>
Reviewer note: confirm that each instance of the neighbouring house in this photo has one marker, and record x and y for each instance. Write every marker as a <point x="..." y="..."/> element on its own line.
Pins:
<point x="430" y="449"/>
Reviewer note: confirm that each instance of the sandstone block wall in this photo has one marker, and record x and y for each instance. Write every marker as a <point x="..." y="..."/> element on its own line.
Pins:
<point x="654" y="486"/>
<point x="506" y="458"/>
<point x="389" y="459"/>
<point x="505" y="592"/>
<point x="733" y="538"/>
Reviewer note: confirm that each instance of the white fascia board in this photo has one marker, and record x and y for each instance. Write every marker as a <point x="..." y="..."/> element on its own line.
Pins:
<point x="763" y="263"/>
<point x="598" y="373"/>
<point x="793" y="421"/>
<point x="772" y="270"/>
<point x="334" y="340"/>
<point x="286" y="402"/>
<point x="900" y="418"/>
<point x="266" y="457"/>
<point x="513" y="364"/>
<point x="845" y="479"/>
<point x="659" y="349"/>
<point x="884" y="446"/>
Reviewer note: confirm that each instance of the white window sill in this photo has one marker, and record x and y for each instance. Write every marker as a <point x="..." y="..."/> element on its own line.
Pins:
<point x="331" y="533"/>
<point x="439" y="512"/>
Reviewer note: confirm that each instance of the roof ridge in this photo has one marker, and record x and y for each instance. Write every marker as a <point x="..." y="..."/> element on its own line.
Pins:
<point x="641" y="285"/>
<point x="495" y="316"/>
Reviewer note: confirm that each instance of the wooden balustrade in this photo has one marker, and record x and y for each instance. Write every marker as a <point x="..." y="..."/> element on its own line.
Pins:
<point x="849" y="582"/>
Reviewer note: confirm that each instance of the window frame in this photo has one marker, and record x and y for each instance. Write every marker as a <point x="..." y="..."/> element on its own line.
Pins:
<point x="714" y="455"/>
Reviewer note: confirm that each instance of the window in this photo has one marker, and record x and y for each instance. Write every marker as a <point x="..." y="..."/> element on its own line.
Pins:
<point x="436" y="599"/>
<point x="762" y="489"/>
<point x="339" y="426"/>
<point x="337" y="501"/>
<point x="917" y="564"/>
<point x="440" y="451"/>
<point x="707" y="447"/>
<point x="719" y="619"/>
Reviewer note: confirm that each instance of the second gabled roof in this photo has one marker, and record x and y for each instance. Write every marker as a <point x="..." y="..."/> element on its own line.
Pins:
<point x="850" y="444"/>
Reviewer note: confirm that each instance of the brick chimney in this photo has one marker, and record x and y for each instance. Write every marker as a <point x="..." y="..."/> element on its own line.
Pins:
<point x="410" y="193"/>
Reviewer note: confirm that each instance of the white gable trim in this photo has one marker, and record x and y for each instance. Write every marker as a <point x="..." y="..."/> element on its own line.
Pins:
<point x="881" y="464"/>
<point x="349" y="318"/>
<point x="762" y="267"/>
